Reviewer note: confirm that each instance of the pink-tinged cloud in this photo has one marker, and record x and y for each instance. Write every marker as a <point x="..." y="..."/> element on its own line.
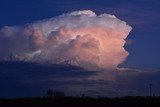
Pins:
<point x="79" y="38"/>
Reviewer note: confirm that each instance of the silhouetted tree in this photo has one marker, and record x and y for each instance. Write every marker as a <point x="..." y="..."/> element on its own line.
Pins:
<point x="58" y="94"/>
<point x="50" y="93"/>
<point x="83" y="95"/>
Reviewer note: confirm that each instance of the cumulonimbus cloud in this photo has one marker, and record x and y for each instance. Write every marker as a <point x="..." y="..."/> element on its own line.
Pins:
<point x="79" y="38"/>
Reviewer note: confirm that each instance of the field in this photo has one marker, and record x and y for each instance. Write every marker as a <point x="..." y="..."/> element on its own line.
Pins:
<point x="81" y="102"/>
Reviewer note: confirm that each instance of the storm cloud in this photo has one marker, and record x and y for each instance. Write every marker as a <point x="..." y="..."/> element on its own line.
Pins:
<point x="79" y="38"/>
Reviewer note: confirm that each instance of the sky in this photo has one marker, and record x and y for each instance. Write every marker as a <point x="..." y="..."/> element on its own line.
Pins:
<point x="142" y="44"/>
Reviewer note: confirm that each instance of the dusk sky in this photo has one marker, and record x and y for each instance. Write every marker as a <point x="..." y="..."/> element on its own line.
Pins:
<point x="123" y="64"/>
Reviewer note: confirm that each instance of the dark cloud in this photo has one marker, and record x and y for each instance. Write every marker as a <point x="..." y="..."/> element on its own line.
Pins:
<point x="21" y="79"/>
<point x="28" y="70"/>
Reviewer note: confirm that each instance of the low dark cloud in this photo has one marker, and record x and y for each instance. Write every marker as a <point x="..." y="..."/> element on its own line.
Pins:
<point x="21" y="79"/>
<point x="27" y="70"/>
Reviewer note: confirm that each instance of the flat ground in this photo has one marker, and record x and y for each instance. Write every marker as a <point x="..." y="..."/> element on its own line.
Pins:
<point x="81" y="102"/>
